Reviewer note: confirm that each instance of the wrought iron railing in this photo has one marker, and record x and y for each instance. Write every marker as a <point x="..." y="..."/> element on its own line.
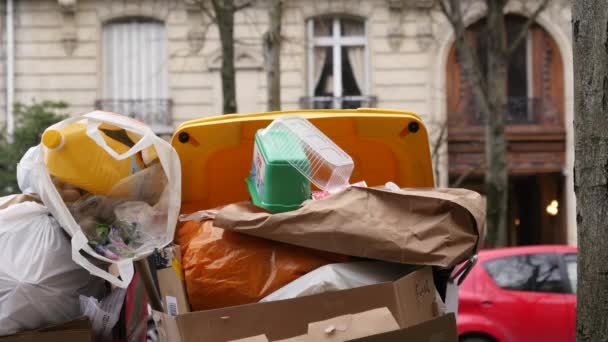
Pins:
<point x="520" y="110"/>
<point x="154" y="112"/>
<point x="344" y="102"/>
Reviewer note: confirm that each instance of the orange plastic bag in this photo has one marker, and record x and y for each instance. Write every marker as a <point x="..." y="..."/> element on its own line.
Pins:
<point x="224" y="268"/>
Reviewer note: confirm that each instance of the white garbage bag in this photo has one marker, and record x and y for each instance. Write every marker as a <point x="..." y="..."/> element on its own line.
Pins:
<point x="39" y="283"/>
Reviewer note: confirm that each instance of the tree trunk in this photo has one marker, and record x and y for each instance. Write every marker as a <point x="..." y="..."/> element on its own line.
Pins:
<point x="496" y="179"/>
<point x="272" y="51"/>
<point x="590" y="34"/>
<point x="490" y="95"/>
<point x="224" y="13"/>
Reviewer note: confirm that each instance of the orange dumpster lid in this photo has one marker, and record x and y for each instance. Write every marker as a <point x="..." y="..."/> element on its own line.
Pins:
<point x="216" y="152"/>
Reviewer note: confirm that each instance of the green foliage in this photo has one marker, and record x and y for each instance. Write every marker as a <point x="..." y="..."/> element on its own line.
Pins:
<point x="30" y="122"/>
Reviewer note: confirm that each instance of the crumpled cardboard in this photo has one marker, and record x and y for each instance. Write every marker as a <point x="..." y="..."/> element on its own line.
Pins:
<point x="438" y="227"/>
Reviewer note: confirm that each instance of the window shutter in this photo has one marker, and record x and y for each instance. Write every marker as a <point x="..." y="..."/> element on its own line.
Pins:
<point x="547" y="73"/>
<point x="135" y="64"/>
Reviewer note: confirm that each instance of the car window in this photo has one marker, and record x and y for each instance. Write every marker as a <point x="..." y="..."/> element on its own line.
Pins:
<point x="532" y="272"/>
<point x="570" y="261"/>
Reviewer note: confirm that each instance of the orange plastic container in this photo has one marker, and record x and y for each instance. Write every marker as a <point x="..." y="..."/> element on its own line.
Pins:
<point x="216" y="152"/>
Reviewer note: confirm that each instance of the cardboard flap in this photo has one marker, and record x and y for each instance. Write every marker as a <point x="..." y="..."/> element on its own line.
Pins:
<point x="438" y="227"/>
<point x="166" y="327"/>
<point x="258" y="338"/>
<point x="441" y="329"/>
<point x="418" y="291"/>
<point x="342" y="328"/>
<point x="73" y="331"/>
<point x="347" y="327"/>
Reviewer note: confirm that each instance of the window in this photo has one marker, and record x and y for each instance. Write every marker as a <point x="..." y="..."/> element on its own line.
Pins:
<point x="337" y="64"/>
<point x="135" y="72"/>
<point x="533" y="272"/>
<point x="519" y="69"/>
<point x="534" y="80"/>
<point x="571" y="269"/>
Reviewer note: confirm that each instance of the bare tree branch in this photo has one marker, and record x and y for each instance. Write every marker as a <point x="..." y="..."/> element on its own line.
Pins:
<point x="245" y="43"/>
<point x="446" y="11"/>
<point x="436" y="145"/>
<point x="218" y="5"/>
<point x="272" y="55"/>
<point x="440" y="139"/>
<point x="244" y="5"/>
<point x="523" y="33"/>
<point x="202" y="4"/>
<point x="470" y="61"/>
<point x="463" y="176"/>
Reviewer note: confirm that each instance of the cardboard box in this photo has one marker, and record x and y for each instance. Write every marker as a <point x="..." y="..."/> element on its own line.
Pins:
<point x="441" y="329"/>
<point x="164" y="281"/>
<point x="75" y="331"/>
<point x="171" y="284"/>
<point x="342" y="328"/>
<point x="376" y="325"/>
<point x="410" y="300"/>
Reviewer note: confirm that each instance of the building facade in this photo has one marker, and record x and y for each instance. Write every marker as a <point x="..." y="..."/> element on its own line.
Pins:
<point x="159" y="60"/>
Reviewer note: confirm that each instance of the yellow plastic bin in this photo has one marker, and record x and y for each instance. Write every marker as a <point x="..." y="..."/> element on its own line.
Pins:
<point x="216" y="152"/>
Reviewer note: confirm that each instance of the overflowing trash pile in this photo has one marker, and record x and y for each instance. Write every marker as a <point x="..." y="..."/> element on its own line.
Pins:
<point x="312" y="243"/>
<point x="101" y="192"/>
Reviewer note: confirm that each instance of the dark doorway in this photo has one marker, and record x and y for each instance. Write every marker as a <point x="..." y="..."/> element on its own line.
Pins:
<point x="525" y="210"/>
<point x="536" y="208"/>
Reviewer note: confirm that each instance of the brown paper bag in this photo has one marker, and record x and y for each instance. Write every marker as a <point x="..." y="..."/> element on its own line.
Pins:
<point x="439" y="227"/>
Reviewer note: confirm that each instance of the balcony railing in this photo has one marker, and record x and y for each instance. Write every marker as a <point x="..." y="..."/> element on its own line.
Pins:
<point x="345" y="102"/>
<point x="154" y="112"/>
<point x="519" y="110"/>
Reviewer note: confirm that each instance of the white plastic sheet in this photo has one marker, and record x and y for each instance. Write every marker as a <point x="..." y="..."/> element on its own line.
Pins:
<point x="39" y="282"/>
<point x="103" y="315"/>
<point x="341" y="276"/>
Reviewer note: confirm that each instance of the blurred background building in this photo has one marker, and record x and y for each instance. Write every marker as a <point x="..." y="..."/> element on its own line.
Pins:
<point x="159" y="61"/>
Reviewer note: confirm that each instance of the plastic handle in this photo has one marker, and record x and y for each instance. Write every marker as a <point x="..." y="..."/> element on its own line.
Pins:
<point x="95" y="119"/>
<point x="125" y="267"/>
<point x="460" y="275"/>
<point x="118" y="120"/>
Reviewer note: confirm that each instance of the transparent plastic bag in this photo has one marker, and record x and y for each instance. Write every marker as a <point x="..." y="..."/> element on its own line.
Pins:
<point x="103" y="314"/>
<point x="130" y="219"/>
<point x="161" y="190"/>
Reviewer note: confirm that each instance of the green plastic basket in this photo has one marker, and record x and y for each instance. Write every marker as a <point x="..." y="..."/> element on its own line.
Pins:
<point x="274" y="184"/>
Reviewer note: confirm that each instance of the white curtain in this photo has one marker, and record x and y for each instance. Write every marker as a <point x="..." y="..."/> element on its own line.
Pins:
<point x="356" y="56"/>
<point x="320" y="54"/>
<point x="329" y="85"/>
<point x="134" y="60"/>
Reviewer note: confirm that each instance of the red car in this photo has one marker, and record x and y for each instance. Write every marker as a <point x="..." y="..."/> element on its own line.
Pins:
<point x="520" y="294"/>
